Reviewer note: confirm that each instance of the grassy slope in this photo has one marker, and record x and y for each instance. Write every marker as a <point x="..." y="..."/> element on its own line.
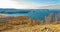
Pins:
<point x="36" y="28"/>
<point x="25" y="24"/>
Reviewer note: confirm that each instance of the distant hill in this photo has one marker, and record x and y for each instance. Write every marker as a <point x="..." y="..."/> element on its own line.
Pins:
<point x="50" y="7"/>
<point x="14" y="11"/>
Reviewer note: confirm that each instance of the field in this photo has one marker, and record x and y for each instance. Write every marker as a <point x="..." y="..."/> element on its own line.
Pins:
<point x="36" y="28"/>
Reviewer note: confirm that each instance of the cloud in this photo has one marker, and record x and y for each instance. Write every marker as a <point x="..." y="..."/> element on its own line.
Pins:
<point x="20" y="4"/>
<point x="16" y="4"/>
<point x="7" y="4"/>
<point x="36" y="6"/>
<point x="26" y="4"/>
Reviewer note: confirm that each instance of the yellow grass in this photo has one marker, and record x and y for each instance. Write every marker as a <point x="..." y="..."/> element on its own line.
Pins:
<point x="36" y="28"/>
<point x="24" y="24"/>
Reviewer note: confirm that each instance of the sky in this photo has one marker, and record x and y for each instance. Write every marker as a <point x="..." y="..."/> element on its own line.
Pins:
<point x="27" y="4"/>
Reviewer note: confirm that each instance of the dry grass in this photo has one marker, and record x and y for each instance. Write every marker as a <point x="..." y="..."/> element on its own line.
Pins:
<point x="36" y="28"/>
<point x="25" y="24"/>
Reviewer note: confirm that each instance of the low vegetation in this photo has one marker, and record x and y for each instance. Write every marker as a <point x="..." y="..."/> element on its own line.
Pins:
<point x="25" y="24"/>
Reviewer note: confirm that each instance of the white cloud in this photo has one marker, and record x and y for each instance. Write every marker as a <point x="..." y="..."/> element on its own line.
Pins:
<point x="6" y="4"/>
<point x="23" y="5"/>
<point x="15" y="4"/>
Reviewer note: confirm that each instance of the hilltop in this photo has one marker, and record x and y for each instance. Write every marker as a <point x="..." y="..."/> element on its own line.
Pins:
<point x="13" y="24"/>
<point x="10" y="22"/>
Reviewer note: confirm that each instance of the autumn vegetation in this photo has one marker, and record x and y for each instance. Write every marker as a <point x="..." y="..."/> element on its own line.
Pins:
<point x="22" y="20"/>
<point x="27" y="23"/>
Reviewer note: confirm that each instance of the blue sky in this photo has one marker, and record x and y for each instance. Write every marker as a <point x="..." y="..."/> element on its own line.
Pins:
<point x="43" y="1"/>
